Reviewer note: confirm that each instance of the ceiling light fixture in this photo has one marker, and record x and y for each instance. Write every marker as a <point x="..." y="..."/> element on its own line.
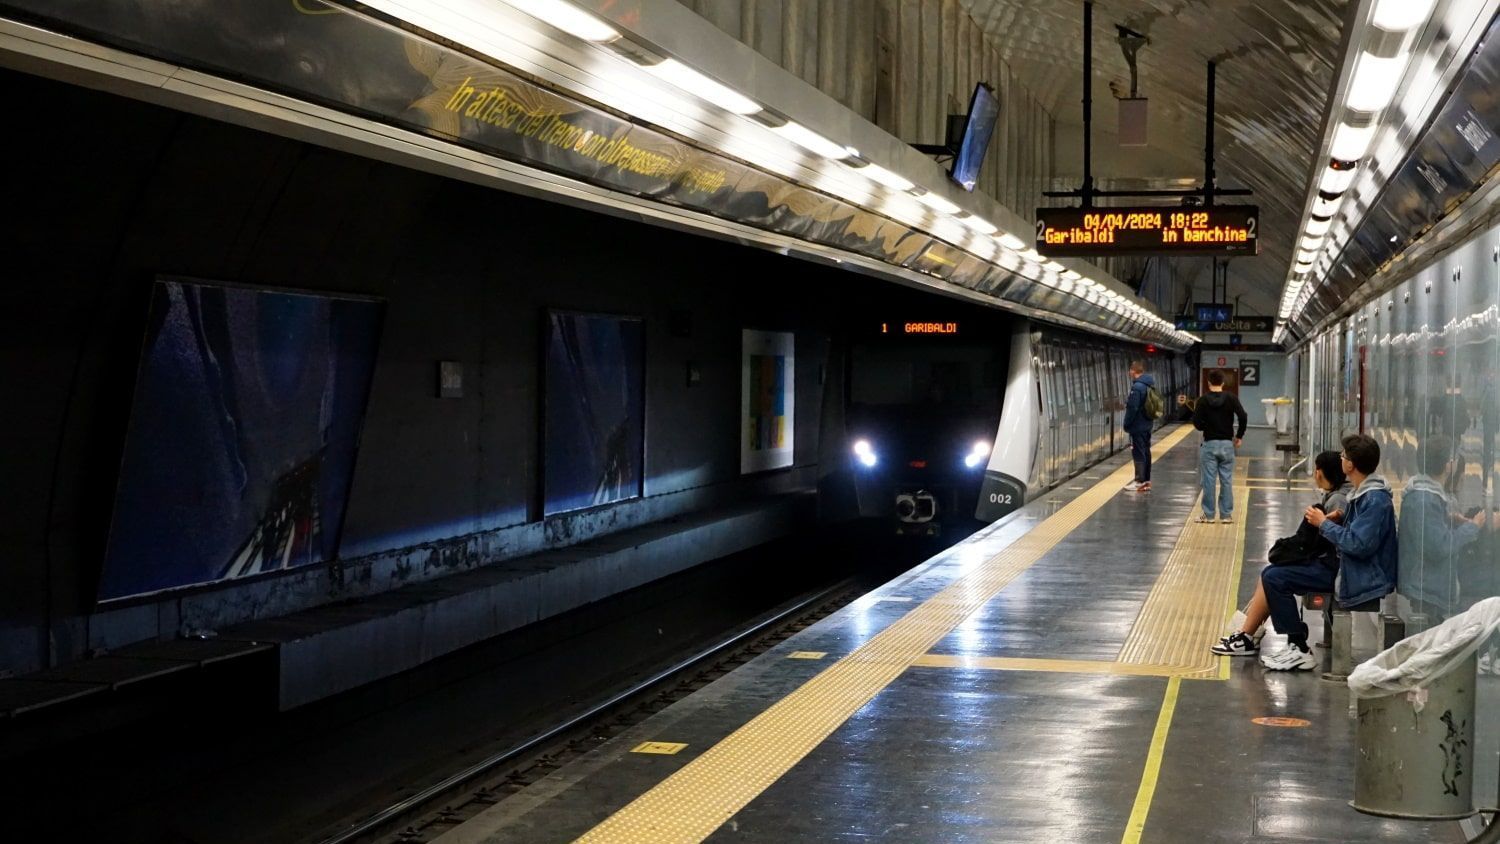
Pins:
<point x="811" y="141"/>
<point x="695" y="83"/>
<point x="1374" y="82"/>
<point x="882" y="176"/>
<point x="978" y="224"/>
<point x="568" y="18"/>
<point x="1400" y="15"/>
<point x="938" y="203"/>
<point x="1350" y="143"/>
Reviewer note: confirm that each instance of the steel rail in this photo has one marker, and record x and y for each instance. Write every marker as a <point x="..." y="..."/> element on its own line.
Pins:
<point x="484" y="766"/>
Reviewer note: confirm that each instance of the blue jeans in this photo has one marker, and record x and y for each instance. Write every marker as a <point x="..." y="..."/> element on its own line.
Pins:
<point x="1140" y="452"/>
<point x="1216" y="460"/>
<point x="1283" y="584"/>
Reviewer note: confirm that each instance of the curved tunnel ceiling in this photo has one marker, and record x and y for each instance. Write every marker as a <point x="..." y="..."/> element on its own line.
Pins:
<point x="1277" y="60"/>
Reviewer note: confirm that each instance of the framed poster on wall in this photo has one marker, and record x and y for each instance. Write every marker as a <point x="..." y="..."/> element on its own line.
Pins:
<point x="242" y="435"/>
<point x="767" y="400"/>
<point x="594" y="411"/>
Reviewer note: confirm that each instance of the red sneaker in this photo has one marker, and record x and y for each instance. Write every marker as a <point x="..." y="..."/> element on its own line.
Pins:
<point x="1145" y="487"/>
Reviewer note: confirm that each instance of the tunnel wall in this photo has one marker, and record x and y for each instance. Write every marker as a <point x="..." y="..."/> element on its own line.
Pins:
<point x="117" y="193"/>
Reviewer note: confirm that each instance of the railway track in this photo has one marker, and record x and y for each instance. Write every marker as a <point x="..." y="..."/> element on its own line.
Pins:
<point x="438" y="807"/>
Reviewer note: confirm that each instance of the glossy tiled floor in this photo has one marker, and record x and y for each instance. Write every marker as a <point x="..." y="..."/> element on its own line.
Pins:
<point x="989" y="695"/>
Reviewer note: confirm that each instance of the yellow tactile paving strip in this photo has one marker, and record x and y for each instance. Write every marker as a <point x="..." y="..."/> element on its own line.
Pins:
<point x="1062" y="666"/>
<point x="1184" y="614"/>
<point x="696" y="800"/>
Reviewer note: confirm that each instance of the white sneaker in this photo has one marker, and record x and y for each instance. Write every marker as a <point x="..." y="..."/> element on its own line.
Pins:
<point x="1290" y="658"/>
<point x="1132" y="486"/>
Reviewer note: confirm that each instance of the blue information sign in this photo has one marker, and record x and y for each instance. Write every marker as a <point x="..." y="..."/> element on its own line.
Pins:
<point x="1213" y="313"/>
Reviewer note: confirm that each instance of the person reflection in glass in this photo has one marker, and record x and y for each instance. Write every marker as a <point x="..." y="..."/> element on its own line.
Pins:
<point x="1433" y="535"/>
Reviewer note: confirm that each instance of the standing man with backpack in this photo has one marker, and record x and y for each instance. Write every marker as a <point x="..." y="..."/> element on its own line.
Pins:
<point x="1142" y="407"/>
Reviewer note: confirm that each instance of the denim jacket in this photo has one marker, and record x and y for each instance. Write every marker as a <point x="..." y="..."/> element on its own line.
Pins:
<point x="1366" y="540"/>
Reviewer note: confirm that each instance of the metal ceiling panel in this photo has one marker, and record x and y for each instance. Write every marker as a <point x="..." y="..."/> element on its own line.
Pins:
<point x="1277" y="63"/>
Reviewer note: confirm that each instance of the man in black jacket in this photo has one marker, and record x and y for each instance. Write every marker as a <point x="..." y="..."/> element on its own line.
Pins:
<point x="1215" y="415"/>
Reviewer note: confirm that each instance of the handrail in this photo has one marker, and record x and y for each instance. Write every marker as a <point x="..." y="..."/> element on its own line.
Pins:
<point x="1295" y="467"/>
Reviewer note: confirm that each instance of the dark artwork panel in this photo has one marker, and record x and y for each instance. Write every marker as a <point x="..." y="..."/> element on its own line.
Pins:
<point x="595" y="411"/>
<point x="242" y="436"/>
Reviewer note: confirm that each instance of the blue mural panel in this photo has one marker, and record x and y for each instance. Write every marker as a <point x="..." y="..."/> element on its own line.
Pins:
<point x="242" y="438"/>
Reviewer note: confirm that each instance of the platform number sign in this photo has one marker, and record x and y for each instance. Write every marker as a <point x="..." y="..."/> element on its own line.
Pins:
<point x="1249" y="372"/>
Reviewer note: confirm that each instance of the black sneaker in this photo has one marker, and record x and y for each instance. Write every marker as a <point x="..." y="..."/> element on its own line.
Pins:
<point x="1236" y="644"/>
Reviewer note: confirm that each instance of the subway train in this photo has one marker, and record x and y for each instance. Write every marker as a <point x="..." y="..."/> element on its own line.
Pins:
<point x="948" y="431"/>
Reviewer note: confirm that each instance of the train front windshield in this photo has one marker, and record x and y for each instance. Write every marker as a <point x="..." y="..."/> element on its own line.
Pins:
<point x="962" y="380"/>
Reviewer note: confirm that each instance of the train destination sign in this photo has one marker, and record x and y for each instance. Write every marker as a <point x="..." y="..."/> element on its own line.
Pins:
<point x="1148" y="230"/>
<point x="910" y="328"/>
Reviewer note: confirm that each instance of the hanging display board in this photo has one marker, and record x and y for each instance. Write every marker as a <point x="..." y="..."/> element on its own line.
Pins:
<point x="1150" y="230"/>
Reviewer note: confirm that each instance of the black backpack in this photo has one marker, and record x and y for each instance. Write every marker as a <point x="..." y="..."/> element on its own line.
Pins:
<point x="1305" y="545"/>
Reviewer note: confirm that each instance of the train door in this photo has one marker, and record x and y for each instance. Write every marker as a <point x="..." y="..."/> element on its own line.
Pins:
<point x="1096" y="426"/>
<point x="1075" y="405"/>
<point x="1360" y="392"/>
<point x="1049" y="413"/>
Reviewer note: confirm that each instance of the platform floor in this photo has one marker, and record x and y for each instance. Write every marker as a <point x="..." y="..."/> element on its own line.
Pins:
<point x="1047" y="680"/>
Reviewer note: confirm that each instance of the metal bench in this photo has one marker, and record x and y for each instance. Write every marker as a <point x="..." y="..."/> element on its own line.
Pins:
<point x="1338" y="631"/>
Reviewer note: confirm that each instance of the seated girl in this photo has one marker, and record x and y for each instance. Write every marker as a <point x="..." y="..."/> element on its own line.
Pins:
<point x="1314" y="573"/>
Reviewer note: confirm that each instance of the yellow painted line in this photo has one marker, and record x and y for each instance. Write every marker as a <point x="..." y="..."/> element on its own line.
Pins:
<point x="1060" y="666"/>
<point x="1147" y="791"/>
<point x="698" y="798"/>
<point x="1184" y="613"/>
<point x="807" y="655"/>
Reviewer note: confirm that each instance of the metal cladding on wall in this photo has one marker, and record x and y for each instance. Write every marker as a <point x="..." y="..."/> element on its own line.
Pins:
<point x="1455" y="155"/>
<point x="1418" y="369"/>
<point x="353" y="63"/>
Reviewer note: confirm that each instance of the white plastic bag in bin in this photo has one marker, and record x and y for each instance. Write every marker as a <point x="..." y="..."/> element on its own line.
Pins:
<point x="1415" y="662"/>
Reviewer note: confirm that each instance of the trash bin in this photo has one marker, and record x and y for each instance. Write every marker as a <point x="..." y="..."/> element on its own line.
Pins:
<point x="1283" y="414"/>
<point x="1416" y="721"/>
<point x="1270" y="407"/>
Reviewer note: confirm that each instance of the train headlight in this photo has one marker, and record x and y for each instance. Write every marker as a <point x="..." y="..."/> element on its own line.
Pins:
<point x="977" y="455"/>
<point x="865" y="453"/>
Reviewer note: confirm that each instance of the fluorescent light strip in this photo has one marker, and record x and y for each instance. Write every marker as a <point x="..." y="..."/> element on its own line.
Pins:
<point x="938" y="203"/>
<point x="1374" y="81"/>
<point x="695" y="83"/>
<point x="1401" y="15"/>
<point x="811" y="141"/>
<point x="1336" y="181"/>
<point x="882" y="176"/>
<point x="979" y="224"/>
<point x="458" y="21"/>
<point x="568" y="18"/>
<point x="1350" y="143"/>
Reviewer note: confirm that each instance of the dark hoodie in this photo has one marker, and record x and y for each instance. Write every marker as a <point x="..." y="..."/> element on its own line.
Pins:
<point x="1136" y="420"/>
<point x="1215" y="414"/>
